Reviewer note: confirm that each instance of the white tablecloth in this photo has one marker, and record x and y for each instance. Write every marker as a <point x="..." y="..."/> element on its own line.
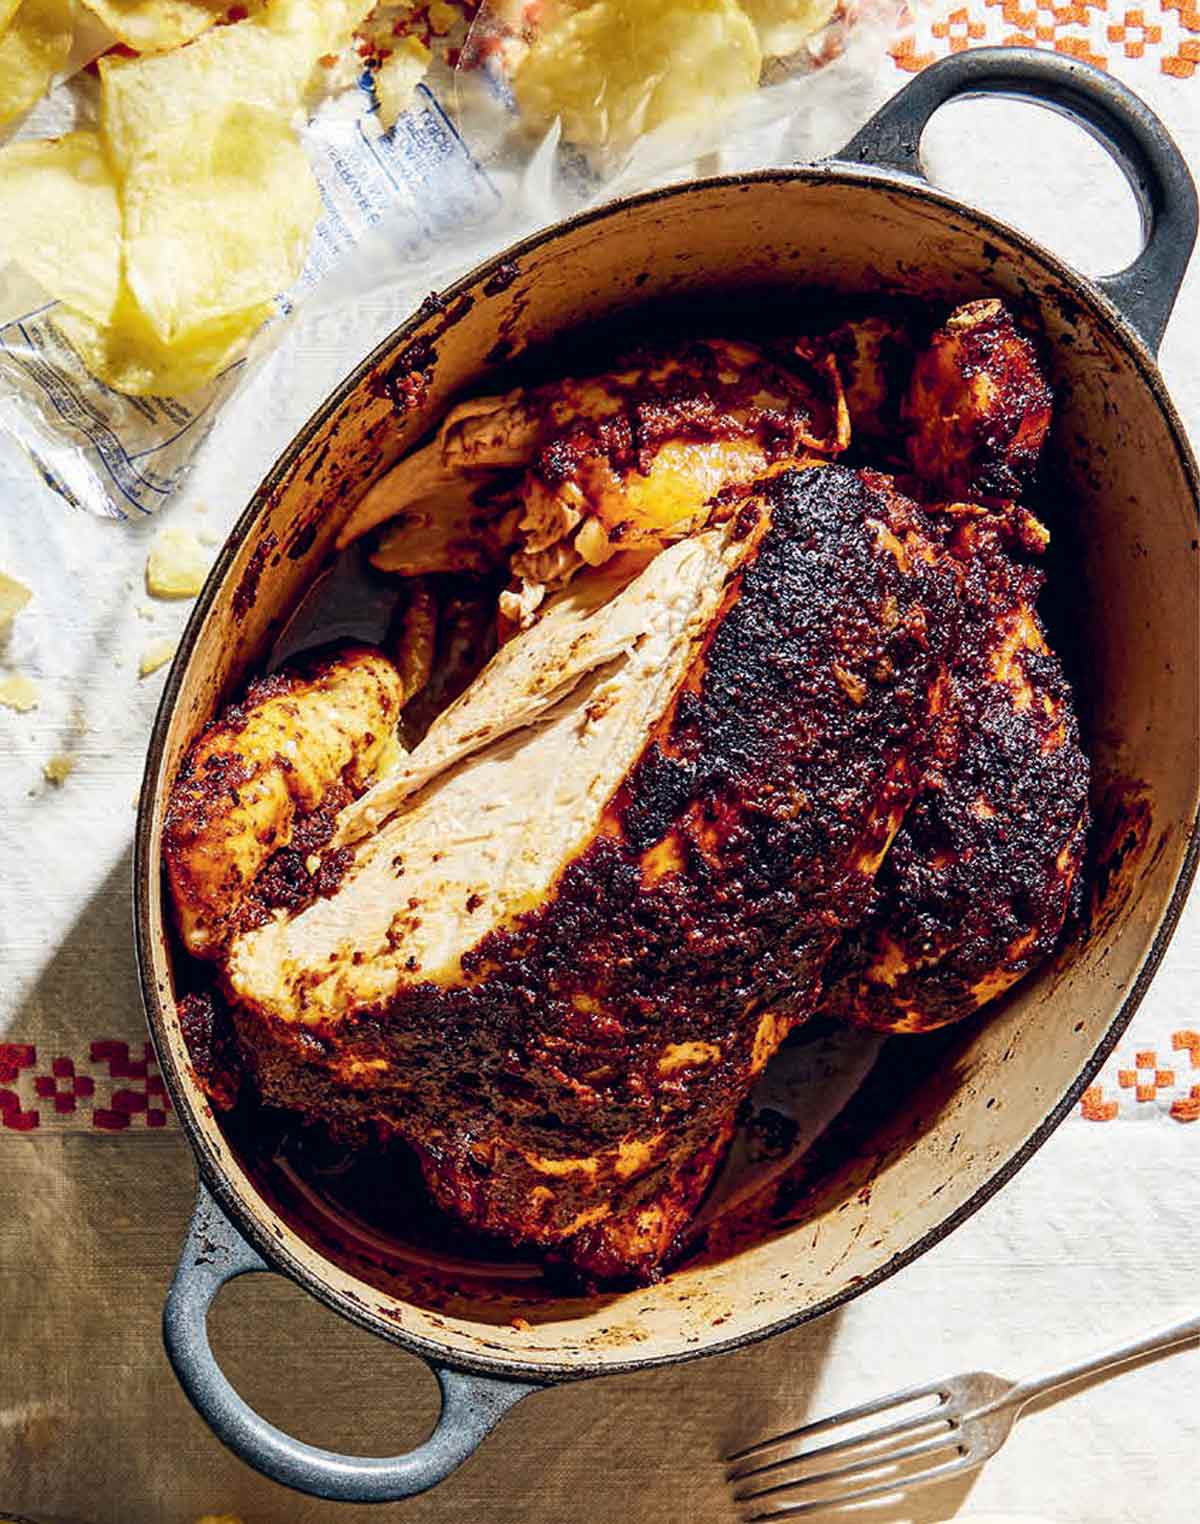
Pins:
<point x="1100" y="1235"/>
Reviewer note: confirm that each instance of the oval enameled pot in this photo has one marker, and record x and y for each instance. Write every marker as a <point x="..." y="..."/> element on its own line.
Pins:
<point x="863" y="223"/>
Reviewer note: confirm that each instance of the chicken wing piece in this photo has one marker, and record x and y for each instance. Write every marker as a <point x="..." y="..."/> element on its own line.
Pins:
<point x="297" y="746"/>
<point x="978" y="407"/>
<point x="628" y="458"/>
<point x="981" y="875"/>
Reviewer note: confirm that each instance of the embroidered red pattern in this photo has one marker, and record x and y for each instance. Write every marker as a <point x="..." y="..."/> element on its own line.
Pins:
<point x="124" y="1088"/>
<point x="1187" y="1108"/>
<point x="147" y="1097"/>
<point x="15" y="1057"/>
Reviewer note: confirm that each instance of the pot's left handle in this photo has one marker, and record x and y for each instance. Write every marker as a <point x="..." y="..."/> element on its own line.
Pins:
<point x="215" y="1252"/>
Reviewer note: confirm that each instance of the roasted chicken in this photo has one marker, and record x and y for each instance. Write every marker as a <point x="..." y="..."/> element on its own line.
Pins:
<point x="763" y="736"/>
<point x="980" y="877"/>
<point x="624" y="460"/>
<point x="297" y="747"/>
<point x="558" y="969"/>
<point x="978" y="407"/>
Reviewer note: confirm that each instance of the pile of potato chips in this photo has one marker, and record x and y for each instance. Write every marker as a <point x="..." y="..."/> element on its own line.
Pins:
<point x="608" y="71"/>
<point x="167" y="233"/>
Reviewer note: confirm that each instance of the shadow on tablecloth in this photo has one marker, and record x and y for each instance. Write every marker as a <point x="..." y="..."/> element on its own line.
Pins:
<point x="93" y="1426"/>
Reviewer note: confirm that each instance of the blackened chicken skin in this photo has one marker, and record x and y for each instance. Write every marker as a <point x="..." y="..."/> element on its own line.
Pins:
<point x="982" y="873"/>
<point x="634" y="1243"/>
<point x="978" y="407"/>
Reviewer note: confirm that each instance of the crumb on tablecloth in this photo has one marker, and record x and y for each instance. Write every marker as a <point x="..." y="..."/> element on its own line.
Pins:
<point x="18" y="692"/>
<point x="157" y="653"/>
<point x="14" y="596"/>
<point x="59" y="768"/>
<point x="177" y="564"/>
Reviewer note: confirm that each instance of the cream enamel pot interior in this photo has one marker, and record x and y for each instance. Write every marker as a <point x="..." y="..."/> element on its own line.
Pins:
<point x="954" y="1130"/>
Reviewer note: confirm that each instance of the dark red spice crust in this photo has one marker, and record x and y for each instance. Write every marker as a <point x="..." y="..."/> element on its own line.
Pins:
<point x="212" y="1047"/>
<point x="198" y="791"/>
<point x="958" y="446"/>
<point x="696" y="403"/>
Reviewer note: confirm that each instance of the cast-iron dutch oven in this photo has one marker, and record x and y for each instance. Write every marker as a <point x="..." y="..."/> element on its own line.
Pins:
<point x="864" y="222"/>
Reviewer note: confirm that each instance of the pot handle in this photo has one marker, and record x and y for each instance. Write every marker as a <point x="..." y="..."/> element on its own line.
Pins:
<point x="215" y="1252"/>
<point x="1145" y="291"/>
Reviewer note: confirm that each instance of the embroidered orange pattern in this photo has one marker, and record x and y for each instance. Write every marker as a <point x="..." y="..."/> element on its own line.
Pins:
<point x="1104" y="32"/>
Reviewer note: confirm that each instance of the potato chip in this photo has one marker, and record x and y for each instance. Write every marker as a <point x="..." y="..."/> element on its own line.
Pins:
<point x="149" y="103"/>
<point x="151" y="26"/>
<point x="18" y="692"/>
<point x="219" y="223"/>
<point x="617" y="68"/>
<point x="784" y="26"/>
<point x="14" y="596"/>
<point x="266" y="60"/>
<point x="177" y="564"/>
<point x="321" y="26"/>
<point x="128" y="357"/>
<point x="397" y="78"/>
<point x="218" y="198"/>
<point x="156" y="654"/>
<point x="60" y="219"/>
<point x="32" y="50"/>
<point x="8" y="9"/>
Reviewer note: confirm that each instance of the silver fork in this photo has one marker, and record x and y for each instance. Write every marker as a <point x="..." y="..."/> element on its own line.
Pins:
<point x="961" y="1423"/>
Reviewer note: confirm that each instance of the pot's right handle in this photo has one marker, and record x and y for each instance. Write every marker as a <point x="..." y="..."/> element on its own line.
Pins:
<point x="215" y="1252"/>
<point x="1145" y="291"/>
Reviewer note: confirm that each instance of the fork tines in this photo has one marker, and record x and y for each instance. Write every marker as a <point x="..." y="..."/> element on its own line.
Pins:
<point x="882" y="1458"/>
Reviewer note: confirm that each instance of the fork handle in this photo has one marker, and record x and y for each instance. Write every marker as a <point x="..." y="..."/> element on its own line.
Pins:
<point x="1163" y="1342"/>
